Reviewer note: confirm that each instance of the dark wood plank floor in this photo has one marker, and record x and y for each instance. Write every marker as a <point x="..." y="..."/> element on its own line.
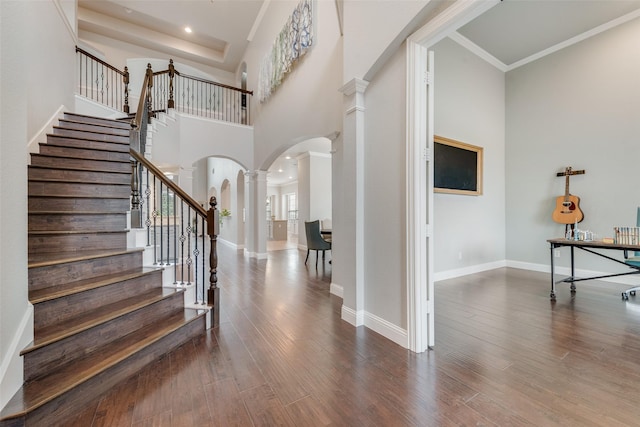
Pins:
<point x="504" y="355"/>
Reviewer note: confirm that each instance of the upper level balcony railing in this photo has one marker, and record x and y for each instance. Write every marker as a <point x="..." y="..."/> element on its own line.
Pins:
<point x="167" y="89"/>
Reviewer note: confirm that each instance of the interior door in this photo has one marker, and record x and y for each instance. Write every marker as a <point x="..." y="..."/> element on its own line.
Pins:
<point x="420" y="114"/>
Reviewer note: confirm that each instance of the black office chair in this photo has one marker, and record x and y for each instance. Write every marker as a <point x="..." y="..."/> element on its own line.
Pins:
<point x="634" y="262"/>
<point x="315" y="242"/>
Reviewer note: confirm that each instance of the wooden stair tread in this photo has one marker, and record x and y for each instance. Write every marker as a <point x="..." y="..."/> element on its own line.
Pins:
<point x="42" y="390"/>
<point x="48" y="259"/>
<point x="118" y="146"/>
<point x="115" y="122"/>
<point x="66" y="156"/>
<point x="88" y="131"/>
<point x="105" y="126"/>
<point x="74" y="325"/>
<point x="78" y="196"/>
<point x="71" y="288"/>
<point x="76" y="213"/>
<point x="66" y="168"/>
<point x="69" y="232"/>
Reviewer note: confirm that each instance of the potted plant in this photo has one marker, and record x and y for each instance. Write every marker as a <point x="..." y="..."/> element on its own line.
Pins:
<point x="224" y="213"/>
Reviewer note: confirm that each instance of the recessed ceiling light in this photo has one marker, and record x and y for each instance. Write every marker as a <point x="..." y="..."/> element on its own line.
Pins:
<point x="280" y="170"/>
<point x="288" y="157"/>
<point x="290" y="177"/>
<point x="187" y="29"/>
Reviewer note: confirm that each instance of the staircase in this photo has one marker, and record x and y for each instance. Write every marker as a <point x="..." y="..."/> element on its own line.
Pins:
<point x="99" y="315"/>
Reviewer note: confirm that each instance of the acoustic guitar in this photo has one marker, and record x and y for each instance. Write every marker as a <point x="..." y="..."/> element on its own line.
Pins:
<point x="567" y="209"/>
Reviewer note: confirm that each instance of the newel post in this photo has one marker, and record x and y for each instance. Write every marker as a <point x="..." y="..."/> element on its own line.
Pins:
<point x="149" y="88"/>
<point x="172" y="72"/>
<point x="136" y="216"/>
<point x="125" y="79"/>
<point x="213" y="293"/>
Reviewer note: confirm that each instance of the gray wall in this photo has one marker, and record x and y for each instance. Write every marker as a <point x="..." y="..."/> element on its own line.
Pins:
<point x="469" y="231"/>
<point x="578" y="107"/>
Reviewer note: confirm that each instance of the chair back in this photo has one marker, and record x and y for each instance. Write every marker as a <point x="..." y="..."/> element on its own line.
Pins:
<point x="314" y="238"/>
<point x="638" y="225"/>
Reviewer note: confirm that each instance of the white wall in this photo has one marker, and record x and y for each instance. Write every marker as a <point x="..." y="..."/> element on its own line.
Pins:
<point x="320" y="186"/>
<point x="307" y="103"/>
<point x="370" y="27"/>
<point x="227" y="170"/>
<point x="578" y="107"/>
<point x="188" y="139"/>
<point x="469" y="107"/>
<point x="31" y="60"/>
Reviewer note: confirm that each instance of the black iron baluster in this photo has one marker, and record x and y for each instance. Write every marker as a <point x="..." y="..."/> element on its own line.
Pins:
<point x="155" y="227"/>
<point x="189" y="260"/>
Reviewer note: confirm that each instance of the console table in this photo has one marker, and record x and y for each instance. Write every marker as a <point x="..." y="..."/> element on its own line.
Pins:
<point x="589" y="246"/>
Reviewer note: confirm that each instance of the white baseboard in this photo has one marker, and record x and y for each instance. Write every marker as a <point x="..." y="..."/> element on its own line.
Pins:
<point x="631" y="280"/>
<point x="386" y="329"/>
<point x="41" y="136"/>
<point x="256" y="255"/>
<point x="376" y="324"/>
<point x="450" y="274"/>
<point x="351" y="316"/>
<point x="11" y="368"/>
<point x="336" y="290"/>
<point x="230" y="244"/>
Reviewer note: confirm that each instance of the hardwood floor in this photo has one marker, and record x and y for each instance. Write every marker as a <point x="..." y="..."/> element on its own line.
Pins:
<point x="504" y="355"/>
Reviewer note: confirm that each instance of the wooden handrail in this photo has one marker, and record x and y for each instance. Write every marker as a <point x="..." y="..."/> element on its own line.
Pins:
<point x="109" y="66"/>
<point x="143" y="94"/>
<point x="169" y="183"/>
<point x="198" y="79"/>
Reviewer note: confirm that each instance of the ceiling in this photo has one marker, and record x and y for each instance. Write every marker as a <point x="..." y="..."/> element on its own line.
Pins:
<point x="221" y="29"/>
<point x="515" y="32"/>
<point x="509" y="35"/>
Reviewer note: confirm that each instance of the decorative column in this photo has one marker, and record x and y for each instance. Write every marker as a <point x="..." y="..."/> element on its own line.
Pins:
<point x="349" y="258"/>
<point x="256" y="215"/>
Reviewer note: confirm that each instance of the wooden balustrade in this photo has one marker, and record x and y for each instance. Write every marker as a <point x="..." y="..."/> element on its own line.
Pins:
<point x="176" y="224"/>
<point x="102" y="82"/>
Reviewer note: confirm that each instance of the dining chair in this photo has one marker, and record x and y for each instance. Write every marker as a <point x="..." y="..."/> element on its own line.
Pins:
<point x="315" y="242"/>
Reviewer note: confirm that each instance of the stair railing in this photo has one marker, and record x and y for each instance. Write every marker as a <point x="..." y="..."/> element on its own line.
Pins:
<point x="102" y="82"/>
<point x="200" y="97"/>
<point x="177" y="228"/>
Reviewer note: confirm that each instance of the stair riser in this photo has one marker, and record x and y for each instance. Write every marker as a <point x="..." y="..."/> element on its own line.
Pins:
<point x="79" y="176"/>
<point x="93" y="127"/>
<point x="61" y="309"/>
<point x="80" y="164"/>
<point x="97" y="120"/>
<point x="64" y="141"/>
<point x="75" y="222"/>
<point x="75" y="189"/>
<point x="90" y="135"/>
<point x="63" y="352"/>
<point x="77" y="398"/>
<point x="81" y="153"/>
<point x="40" y="243"/>
<point x="52" y="275"/>
<point x="68" y="204"/>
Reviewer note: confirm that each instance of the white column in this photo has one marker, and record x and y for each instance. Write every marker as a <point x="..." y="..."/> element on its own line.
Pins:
<point x="256" y="216"/>
<point x="348" y="258"/>
<point x="185" y="179"/>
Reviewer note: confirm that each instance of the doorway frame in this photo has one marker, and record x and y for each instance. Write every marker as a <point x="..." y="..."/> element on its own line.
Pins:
<point x="419" y="152"/>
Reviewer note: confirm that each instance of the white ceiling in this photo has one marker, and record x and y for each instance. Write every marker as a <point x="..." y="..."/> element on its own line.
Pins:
<point x="509" y="35"/>
<point x="515" y="32"/>
<point x="221" y="28"/>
